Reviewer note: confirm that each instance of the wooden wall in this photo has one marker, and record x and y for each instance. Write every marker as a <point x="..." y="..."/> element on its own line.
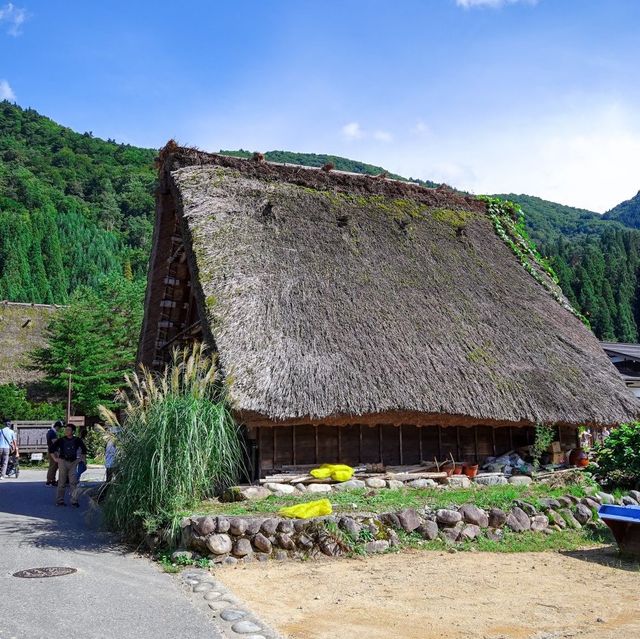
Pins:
<point x="392" y="445"/>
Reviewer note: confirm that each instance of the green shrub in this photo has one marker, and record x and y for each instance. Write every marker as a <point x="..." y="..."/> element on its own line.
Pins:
<point x="618" y="457"/>
<point x="178" y="445"/>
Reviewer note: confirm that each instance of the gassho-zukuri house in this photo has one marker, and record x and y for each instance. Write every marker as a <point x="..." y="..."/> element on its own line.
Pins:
<point x="362" y="320"/>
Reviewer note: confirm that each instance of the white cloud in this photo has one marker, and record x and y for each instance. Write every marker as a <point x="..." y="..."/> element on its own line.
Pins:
<point x="6" y="92"/>
<point x="14" y="17"/>
<point x="382" y="136"/>
<point x="352" y="131"/>
<point x="421" y="128"/>
<point x="582" y="157"/>
<point x="493" y="4"/>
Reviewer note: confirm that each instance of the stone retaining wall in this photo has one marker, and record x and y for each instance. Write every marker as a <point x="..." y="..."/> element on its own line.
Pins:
<point x="248" y="538"/>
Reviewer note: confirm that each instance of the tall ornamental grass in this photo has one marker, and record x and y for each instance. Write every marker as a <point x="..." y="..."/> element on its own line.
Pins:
<point x="178" y="444"/>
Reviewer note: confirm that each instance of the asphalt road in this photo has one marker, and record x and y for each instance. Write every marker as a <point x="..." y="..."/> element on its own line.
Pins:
<point x="114" y="594"/>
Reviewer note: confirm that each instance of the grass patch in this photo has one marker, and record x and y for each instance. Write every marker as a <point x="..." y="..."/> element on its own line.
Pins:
<point x="595" y="534"/>
<point x="365" y="500"/>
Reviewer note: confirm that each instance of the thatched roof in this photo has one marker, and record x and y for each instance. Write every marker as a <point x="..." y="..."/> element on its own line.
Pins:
<point x="339" y="298"/>
<point x="21" y="331"/>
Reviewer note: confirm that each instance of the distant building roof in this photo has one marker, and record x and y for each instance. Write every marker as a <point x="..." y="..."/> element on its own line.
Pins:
<point x="22" y="329"/>
<point x="631" y="351"/>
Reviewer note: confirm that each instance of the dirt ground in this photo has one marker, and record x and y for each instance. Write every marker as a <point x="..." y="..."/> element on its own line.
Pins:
<point x="589" y="594"/>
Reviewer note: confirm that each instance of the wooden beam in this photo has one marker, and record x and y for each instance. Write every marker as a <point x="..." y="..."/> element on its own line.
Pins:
<point x="315" y="429"/>
<point x="273" y="435"/>
<point x="293" y="444"/>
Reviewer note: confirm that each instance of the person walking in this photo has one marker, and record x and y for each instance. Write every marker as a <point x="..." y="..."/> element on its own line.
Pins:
<point x="110" y="456"/>
<point x="68" y="451"/>
<point x="52" y="437"/>
<point x="7" y="446"/>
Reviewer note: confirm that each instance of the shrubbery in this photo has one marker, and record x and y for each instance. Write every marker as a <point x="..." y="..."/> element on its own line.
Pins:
<point x="618" y="457"/>
<point x="177" y="446"/>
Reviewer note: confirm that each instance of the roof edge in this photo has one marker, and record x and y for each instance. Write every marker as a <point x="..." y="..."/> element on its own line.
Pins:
<point x="173" y="158"/>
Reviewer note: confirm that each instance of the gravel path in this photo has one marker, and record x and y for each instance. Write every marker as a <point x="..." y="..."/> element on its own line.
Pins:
<point x="114" y="594"/>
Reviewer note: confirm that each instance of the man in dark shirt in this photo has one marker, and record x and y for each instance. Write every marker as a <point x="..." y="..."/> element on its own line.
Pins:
<point x="52" y="436"/>
<point x="67" y="452"/>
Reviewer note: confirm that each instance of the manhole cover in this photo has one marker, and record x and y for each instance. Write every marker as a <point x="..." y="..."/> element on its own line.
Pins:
<point x="48" y="571"/>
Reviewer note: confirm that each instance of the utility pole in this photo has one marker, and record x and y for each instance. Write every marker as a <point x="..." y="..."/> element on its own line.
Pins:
<point x="68" y="370"/>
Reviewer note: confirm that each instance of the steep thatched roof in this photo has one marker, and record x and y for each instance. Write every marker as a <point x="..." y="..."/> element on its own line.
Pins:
<point x="21" y="331"/>
<point x="342" y="298"/>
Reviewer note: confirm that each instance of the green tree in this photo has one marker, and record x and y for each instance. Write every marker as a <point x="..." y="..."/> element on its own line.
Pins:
<point x="96" y="337"/>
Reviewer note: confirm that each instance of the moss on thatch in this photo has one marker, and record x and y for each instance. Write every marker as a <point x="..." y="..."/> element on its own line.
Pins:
<point x="335" y="297"/>
<point x="21" y="331"/>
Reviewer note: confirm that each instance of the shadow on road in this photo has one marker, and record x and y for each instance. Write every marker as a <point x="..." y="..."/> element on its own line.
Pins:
<point x="39" y="522"/>
<point x="605" y="556"/>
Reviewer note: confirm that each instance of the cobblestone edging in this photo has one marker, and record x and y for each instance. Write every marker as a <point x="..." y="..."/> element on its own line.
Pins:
<point x="232" y="618"/>
<point x="231" y="540"/>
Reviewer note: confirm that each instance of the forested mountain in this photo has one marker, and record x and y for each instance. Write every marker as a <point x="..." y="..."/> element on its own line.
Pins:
<point x="74" y="208"/>
<point x="318" y="160"/>
<point x="627" y="212"/>
<point x="548" y="221"/>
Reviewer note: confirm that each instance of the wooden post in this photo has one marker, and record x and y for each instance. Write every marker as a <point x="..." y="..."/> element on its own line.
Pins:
<point x="315" y="432"/>
<point x="360" y="443"/>
<point x="259" y="453"/>
<point x="475" y="441"/>
<point x="293" y="445"/>
<point x="339" y="444"/>
<point x="458" y="457"/>
<point x="400" y="442"/>
<point x="380" y="444"/>
<point x="420" y="442"/>
<point x="510" y="438"/>
<point x="493" y="440"/>
<point x="439" y="442"/>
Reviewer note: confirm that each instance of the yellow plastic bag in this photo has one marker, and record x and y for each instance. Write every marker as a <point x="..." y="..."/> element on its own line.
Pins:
<point x="308" y="510"/>
<point x="337" y="472"/>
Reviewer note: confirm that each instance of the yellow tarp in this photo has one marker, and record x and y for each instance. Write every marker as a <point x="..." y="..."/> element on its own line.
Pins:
<point x="337" y="472"/>
<point x="308" y="509"/>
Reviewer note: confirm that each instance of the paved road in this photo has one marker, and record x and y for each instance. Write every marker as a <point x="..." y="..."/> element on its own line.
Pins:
<point x="113" y="594"/>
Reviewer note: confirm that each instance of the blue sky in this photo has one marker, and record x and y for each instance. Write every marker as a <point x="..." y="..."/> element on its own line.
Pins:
<point x="526" y="96"/>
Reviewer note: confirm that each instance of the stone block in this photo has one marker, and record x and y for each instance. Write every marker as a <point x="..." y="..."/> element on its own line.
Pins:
<point x="262" y="543"/>
<point x="219" y="544"/>
<point x="497" y="518"/>
<point x="375" y="482"/>
<point x="471" y="514"/>
<point x="428" y="530"/>
<point x="408" y="519"/>
<point x="448" y="517"/>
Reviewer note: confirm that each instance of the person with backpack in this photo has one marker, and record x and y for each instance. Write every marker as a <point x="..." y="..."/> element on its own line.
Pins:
<point x="68" y="452"/>
<point x="52" y="437"/>
<point x="8" y="446"/>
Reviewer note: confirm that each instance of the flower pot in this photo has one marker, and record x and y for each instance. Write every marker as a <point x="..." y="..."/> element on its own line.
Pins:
<point x="471" y="470"/>
<point x="447" y="468"/>
<point x="578" y="458"/>
<point x="457" y="470"/>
